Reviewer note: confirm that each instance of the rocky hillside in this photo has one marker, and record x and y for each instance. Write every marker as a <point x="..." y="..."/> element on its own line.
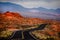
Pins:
<point x="14" y="19"/>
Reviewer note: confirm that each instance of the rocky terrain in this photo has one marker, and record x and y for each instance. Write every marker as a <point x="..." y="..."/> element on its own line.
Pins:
<point x="13" y="20"/>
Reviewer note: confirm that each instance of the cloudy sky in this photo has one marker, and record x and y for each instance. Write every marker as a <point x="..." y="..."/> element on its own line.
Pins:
<point x="50" y="4"/>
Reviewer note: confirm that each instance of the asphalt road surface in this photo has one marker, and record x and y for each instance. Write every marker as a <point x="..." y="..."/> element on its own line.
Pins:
<point x="27" y="36"/>
<point x="18" y="35"/>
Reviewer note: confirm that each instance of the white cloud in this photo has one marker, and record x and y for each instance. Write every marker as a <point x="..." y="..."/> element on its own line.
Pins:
<point x="54" y="4"/>
<point x="37" y="3"/>
<point x="31" y="0"/>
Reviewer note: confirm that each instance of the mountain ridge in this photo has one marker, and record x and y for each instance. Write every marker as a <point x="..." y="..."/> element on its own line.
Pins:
<point x="32" y="12"/>
<point x="20" y="6"/>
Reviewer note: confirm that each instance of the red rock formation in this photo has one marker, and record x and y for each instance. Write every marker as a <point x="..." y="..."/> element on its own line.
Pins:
<point x="17" y="18"/>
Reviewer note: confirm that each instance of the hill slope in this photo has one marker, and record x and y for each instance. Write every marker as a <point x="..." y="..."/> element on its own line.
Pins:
<point x="15" y="20"/>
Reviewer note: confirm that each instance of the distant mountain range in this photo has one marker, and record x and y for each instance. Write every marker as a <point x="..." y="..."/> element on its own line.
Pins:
<point x="31" y="12"/>
<point x="7" y="6"/>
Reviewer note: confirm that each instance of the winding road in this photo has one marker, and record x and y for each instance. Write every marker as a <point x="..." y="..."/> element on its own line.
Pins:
<point x="17" y="35"/>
